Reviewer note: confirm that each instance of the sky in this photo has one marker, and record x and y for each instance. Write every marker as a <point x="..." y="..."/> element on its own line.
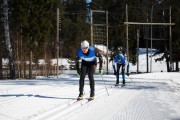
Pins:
<point x="148" y="96"/>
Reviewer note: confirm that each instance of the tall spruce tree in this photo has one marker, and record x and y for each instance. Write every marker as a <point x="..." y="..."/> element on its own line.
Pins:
<point x="36" y="21"/>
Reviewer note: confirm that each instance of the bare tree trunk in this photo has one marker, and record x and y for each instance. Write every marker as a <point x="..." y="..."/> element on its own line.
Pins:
<point x="177" y="66"/>
<point x="17" y="56"/>
<point x="167" y="61"/>
<point x="24" y="70"/>
<point x="21" y="62"/>
<point x="7" y="38"/>
<point x="30" y="66"/>
<point x="1" y="70"/>
<point x="45" y="60"/>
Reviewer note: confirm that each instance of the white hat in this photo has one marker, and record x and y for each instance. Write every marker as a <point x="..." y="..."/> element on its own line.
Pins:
<point x="84" y="44"/>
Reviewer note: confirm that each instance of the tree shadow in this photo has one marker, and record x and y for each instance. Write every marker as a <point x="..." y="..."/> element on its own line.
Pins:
<point x="32" y="95"/>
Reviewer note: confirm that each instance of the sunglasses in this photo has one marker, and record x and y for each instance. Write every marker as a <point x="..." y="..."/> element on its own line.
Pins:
<point x="85" y="48"/>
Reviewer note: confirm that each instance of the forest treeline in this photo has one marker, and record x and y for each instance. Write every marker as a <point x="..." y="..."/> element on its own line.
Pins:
<point x="33" y="29"/>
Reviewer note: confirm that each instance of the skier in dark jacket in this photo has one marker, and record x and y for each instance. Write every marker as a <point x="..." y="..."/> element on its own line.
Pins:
<point x="88" y="55"/>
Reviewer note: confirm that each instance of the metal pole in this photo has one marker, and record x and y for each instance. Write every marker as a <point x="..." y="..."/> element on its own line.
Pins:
<point x="107" y="39"/>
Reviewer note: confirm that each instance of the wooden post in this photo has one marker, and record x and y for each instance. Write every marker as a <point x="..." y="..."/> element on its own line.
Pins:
<point x="57" y="43"/>
<point x="170" y="41"/>
<point x="127" y="39"/>
<point x="107" y="39"/>
<point x="137" y="51"/>
<point x="91" y="27"/>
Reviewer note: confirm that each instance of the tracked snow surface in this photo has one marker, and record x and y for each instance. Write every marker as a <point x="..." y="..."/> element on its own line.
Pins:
<point x="151" y="96"/>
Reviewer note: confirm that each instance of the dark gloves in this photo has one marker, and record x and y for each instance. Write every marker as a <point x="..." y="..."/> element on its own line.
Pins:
<point x="127" y="74"/>
<point x="115" y="72"/>
<point x="100" y="71"/>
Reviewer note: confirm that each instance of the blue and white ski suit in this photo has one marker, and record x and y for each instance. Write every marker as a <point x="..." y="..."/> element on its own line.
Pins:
<point x="119" y="60"/>
<point x="88" y="65"/>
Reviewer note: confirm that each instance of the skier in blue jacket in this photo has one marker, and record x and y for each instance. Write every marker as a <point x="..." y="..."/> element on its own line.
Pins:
<point x="119" y="62"/>
<point x="88" y="55"/>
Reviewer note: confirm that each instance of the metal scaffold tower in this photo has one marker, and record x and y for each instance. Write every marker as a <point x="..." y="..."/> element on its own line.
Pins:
<point x="99" y="35"/>
<point x="99" y="32"/>
<point x="170" y="24"/>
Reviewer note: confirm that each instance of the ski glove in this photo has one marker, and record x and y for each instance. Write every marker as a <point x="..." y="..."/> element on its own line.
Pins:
<point x="127" y="74"/>
<point x="100" y="71"/>
<point x="78" y="73"/>
<point x="115" y="72"/>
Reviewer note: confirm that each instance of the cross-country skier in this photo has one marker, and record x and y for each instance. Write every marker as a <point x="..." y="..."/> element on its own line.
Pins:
<point x="120" y="62"/>
<point x="88" y="55"/>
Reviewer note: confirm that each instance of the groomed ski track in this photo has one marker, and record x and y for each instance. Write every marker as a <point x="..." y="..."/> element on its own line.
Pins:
<point x="140" y="101"/>
<point x="55" y="99"/>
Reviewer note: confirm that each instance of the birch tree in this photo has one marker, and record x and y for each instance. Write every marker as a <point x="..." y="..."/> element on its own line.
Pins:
<point x="7" y="39"/>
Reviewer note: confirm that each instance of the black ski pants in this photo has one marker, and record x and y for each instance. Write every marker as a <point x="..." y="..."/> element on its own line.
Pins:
<point x="89" y="69"/>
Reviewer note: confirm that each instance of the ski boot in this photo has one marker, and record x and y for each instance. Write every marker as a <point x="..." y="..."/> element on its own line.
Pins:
<point x="123" y="84"/>
<point x="80" y="97"/>
<point x="91" y="97"/>
<point x="117" y="83"/>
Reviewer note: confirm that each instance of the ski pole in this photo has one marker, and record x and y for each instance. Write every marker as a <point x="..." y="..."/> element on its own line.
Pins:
<point x="130" y="78"/>
<point x="105" y="85"/>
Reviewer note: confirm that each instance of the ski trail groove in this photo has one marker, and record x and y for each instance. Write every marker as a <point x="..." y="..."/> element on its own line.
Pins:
<point x="63" y="109"/>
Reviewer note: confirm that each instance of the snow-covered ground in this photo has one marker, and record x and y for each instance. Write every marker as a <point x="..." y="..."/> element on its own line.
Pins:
<point x="150" y="96"/>
<point x="153" y="96"/>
